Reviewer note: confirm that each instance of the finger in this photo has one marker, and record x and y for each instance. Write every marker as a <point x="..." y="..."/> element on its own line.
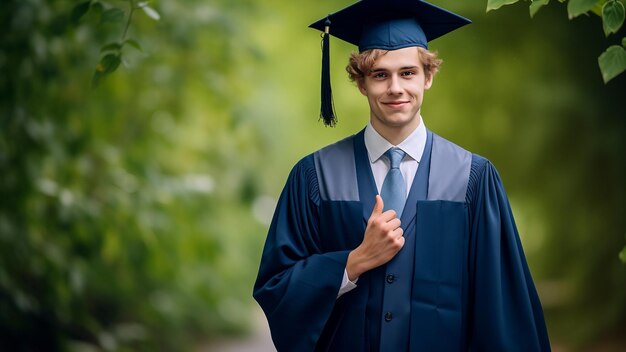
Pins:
<point x="388" y="215"/>
<point x="399" y="232"/>
<point x="394" y="224"/>
<point x="401" y="241"/>
<point x="378" y="207"/>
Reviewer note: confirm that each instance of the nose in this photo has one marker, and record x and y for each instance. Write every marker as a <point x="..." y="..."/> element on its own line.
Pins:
<point x="394" y="86"/>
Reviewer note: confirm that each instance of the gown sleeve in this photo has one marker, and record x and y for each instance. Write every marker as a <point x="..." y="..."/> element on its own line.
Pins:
<point x="297" y="283"/>
<point x="505" y="311"/>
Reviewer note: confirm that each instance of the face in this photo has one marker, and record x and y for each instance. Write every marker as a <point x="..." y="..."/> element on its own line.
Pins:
<point x="395" y="90"/>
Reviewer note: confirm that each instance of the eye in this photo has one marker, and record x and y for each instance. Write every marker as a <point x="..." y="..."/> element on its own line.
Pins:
<point x="408" y="73"/>
<point x="379" y="75"/>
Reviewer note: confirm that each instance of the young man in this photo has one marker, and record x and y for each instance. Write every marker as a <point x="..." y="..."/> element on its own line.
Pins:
<point x="395" y="239"/>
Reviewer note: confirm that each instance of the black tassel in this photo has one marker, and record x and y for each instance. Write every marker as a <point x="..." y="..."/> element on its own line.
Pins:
<point x="327" y="112"/>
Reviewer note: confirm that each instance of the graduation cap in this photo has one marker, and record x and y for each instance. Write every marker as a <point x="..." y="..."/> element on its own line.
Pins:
<point x="381" y="24"/>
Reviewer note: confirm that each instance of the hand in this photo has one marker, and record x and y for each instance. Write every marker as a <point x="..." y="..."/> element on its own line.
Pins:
<point x="383" y="239"/>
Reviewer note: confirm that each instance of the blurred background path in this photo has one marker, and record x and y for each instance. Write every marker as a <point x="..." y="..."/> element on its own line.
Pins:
<point x="258" y="341"/>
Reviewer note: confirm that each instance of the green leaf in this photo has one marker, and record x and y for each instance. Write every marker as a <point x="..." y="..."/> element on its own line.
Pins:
<point x="152" y="13"/>
<point x="79" y="11"/>
<point x="133" y="43"/>
<point x="536" y="5"/>
<point x="496" y="4"/>
<point x="597" y="8"/>
<point x="624" y="42"/>
<point x="579" y="7"/>
<point x="113" y="15"/>
<point x="612" y="16"/>
<point x="612" y="62"/>
<point x="622" y="255"/>
<point x="108" y="63"/>
<point x="111" y="47"/>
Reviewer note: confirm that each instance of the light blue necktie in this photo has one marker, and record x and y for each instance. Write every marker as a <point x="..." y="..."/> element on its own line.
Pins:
<point x="393" y="191"/>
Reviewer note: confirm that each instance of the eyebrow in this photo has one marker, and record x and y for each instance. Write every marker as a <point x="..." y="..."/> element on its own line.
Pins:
<point x="380" y="69"/>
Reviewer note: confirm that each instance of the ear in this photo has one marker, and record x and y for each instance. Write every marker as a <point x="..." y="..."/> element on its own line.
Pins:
<point x="361" y="84"/>
<point x="429" y="82"/>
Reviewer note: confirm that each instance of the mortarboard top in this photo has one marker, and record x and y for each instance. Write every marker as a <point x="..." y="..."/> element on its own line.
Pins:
<point x="382" y="24"/>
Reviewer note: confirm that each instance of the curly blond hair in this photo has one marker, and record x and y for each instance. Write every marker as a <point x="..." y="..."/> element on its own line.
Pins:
<point x="360" y="64"/>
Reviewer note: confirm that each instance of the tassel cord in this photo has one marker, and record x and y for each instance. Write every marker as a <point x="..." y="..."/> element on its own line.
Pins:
<point x="327" y="112"/>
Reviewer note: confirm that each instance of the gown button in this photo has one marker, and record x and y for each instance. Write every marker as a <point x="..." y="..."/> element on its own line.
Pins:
<point x="388" y="316"/>
<point x="391" y="278"/>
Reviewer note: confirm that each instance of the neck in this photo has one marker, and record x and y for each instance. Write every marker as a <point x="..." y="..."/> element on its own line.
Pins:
<point x="395" y="134"/>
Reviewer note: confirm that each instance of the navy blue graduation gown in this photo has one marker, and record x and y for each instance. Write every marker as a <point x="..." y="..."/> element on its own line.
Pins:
<point x="460" y="283"/>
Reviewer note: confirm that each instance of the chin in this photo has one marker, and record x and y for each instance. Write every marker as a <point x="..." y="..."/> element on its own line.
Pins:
<point x="399" y="121"/>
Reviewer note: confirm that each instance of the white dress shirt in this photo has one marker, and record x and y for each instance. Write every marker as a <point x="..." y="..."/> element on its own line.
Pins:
<point x="376" y="147"/>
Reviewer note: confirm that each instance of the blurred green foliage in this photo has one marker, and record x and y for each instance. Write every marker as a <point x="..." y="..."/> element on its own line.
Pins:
<point x="125" y="211"/>
<point x="132" y="215"/>
<point x="612" y="61"/>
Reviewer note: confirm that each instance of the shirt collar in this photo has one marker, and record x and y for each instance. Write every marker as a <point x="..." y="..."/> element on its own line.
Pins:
<point x="413" y="145"/>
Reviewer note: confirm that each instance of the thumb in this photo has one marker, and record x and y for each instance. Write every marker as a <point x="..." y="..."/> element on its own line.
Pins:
<point x="378" y="207"/>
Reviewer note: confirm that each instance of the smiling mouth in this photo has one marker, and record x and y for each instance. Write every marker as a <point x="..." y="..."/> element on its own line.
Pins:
<point x="396" y="104"/>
